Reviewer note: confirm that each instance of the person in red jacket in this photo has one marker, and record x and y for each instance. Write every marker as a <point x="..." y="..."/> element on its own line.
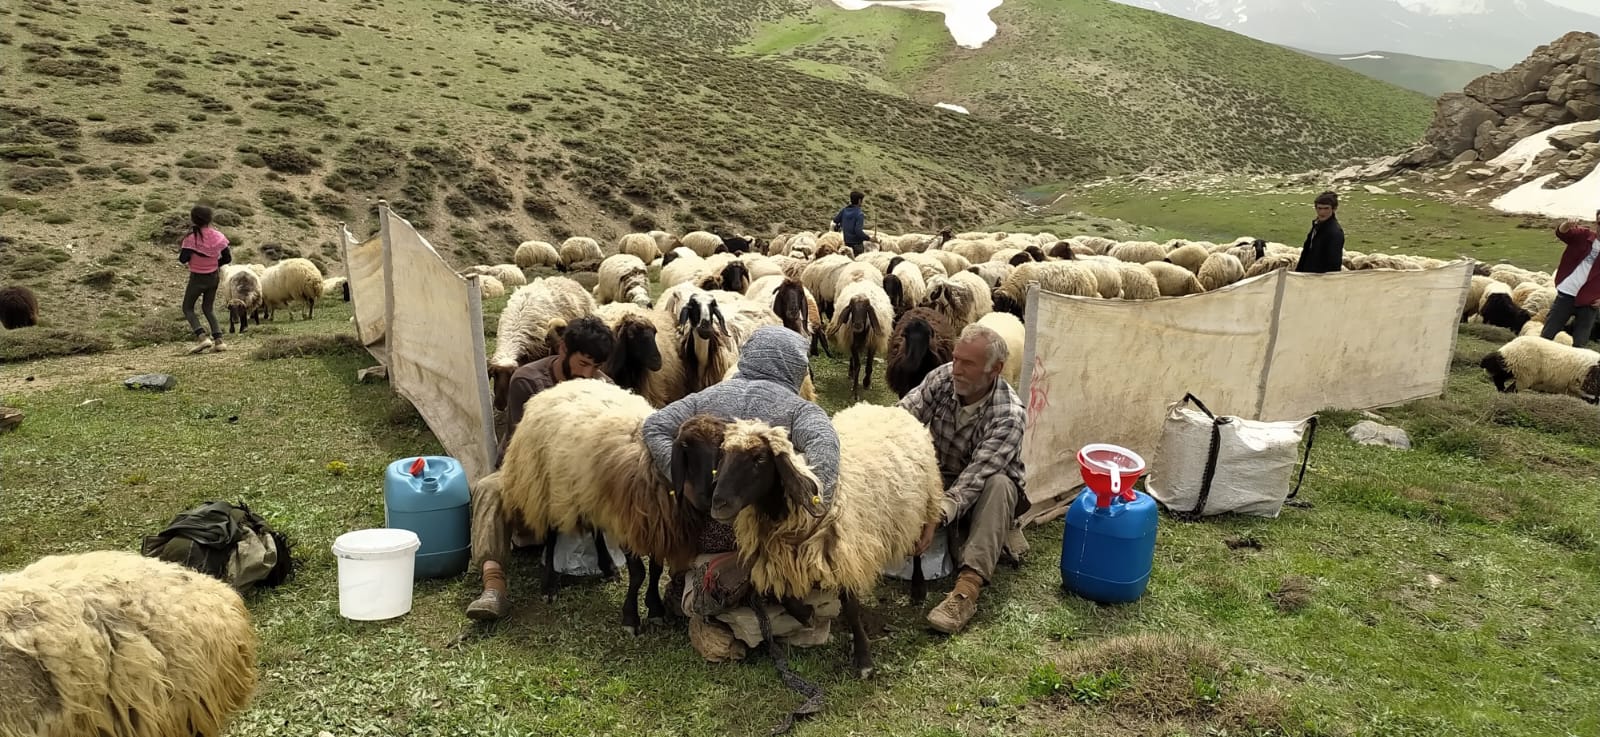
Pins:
<point x="1577" y="282"/>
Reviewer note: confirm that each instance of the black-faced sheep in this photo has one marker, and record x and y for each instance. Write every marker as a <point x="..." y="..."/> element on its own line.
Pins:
<point x="1499" y="310"/>
<point x="645" y="358"/>
<point x="288" y="281"/>
<point x="1063" y="251"/>
<point x="19" y="308"/>
<point x="1540" y="365"/>
<point x="114" y="644"/>
<point x="523" y="333"/>
<point x="922" y="342"/>
<point x="861" y="326"/>
<point x="888" y="488"/>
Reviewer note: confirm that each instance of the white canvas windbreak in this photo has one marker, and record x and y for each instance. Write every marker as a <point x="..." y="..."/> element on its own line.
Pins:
<point x="1281" y="346"/>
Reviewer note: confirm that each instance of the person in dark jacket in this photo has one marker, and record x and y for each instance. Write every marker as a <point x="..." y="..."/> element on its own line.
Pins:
<point x="1577" y="283"/>
<point x="852" y="222"/>
<point x="1323" y="251"/>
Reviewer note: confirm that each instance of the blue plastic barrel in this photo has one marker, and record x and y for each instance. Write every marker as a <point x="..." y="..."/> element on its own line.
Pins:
<point x="1107" y="553"/>
<point x="429" y="495"/>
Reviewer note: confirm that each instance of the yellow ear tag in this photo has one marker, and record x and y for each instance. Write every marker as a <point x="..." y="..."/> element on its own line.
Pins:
<point x="713" y="473"/>
<point x="816" y="500"/>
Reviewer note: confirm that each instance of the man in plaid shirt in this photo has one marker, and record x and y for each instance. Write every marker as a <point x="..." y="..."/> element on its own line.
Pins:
<point x="976" y="420"/>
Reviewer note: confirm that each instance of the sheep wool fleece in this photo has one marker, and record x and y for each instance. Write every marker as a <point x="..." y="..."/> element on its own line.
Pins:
<point x="772" y="366"/>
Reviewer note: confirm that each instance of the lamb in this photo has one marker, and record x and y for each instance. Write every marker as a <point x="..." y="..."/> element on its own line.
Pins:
<point x="922" y="341"/>
<point x="577" y="250"/>
<point x="645" y="359"/>
<point x="537" y="253"/>
<point x="1138" y="252"/>
<point x="869" y="316"/>
<point x="1189" y="256"/>
<point x="522" y="336"/>
<point x="702" y="243"/>
<point x="1533" y="363"/>
<point x="288" y="281"/>
<point x="490" y="287"/>
<point x="623" y="278"/>
<point x="19" y="308"/>
<point x="1220" y="270"/>
<point x="240" y="292"/>
<point x="888" y="489"/>
<point x="1173" y="280"/>
<point x="1010" y="328"/>
<point x="639" y="245"/>
<point x="1137" y="283"/>
<point x="114" y="644"/>
<point x="551" y="482"/>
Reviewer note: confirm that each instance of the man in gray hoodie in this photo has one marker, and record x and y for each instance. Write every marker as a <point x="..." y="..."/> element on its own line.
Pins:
<point x="772" y="365"/>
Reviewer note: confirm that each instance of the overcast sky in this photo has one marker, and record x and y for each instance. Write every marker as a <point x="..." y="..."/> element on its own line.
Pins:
<point x="1587" y="6"/>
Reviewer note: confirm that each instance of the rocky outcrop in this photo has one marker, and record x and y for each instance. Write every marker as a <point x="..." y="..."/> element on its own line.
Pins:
<point x="1558" y="84"/>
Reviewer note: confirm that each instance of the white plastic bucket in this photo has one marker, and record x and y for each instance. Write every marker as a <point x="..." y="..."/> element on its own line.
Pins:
<point x="375" y="572"/>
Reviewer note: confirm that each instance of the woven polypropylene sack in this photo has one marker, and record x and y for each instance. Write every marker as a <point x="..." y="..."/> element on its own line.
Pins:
<point x="1255" y="464"/>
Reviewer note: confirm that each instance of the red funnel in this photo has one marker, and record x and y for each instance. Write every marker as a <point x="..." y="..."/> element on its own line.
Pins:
<point x="1110" y="471"/>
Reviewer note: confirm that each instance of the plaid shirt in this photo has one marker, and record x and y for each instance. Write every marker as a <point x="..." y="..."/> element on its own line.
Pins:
<point x="991" y="445"/>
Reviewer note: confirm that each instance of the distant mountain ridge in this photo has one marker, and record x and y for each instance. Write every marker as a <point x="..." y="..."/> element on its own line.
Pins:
<point x="1494" y="32"/>
<point x="1429" y="76"/>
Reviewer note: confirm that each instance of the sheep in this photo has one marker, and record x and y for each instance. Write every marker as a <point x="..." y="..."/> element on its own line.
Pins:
<point x="740" y="243"/>
<point x="645" y="358"/>
<point x="523" y="334"/>
<point x="869" y="317"/>
<point x="665" y="241"/>
<point x="779" y="245"/>
<point x="490" y="287"/>
<point x="576" y="250"/>
<point x="623" y="278"/>
<point x="114" y="644"/>
<point x="905" y="287"/>
<point x="922" y="341"/>
<point x="536" y="253"/>
<point x="952" y="263"/>
<point x="795" y="307"/>
<point x="1247" y="250"/>
<point x="705" y="344"/>
<point x="551" y="482"/>
<point x="337" y="286"/>
<point x="1540" y="301"/>
<point x="640" y="246"/>
<point x="1220" y="270"/>
<point x="1273" y="262"/>
<point x="291" y="280"/>
<point x="1492" y="287"/>
<point x="1096" y="245"/>
<point x="1137" y="282"/>
<point x="1061" y="277"/>
<point x="879" y="260"/>
<point x="1475" y="295"/>
<point x="1138" y="252"/>
<point x="19" y="308"/>
<point x="1107" y="275"/>
<point x="509" y="275"/>
<point x="1189" y="256"/>
<point x="1009" y="327"/>
<point x="681" y="266"/>
<point x="888" y="489"/>
<point x="733" y="276"/>
<point x="801" y="245"/>
<point x="954" y="300"/>
<point x="240" y="292"/>
<point x="702" y="243"/>
<point x="822" y="270"/>
<point x="974" y="251"/>
<point x="1499" y="310"/>
<point x="982" y="297"/>
<point x="1536" y="364"/>
<point x="1536" y="328"/>
<point x="992" y="273"/>
<point x="1173" y="280"/>
<point x="1063" y="250"/>
<point x="758" y="266"/>
<point x="834" y="282"/>
<point x="1008" y="256"/>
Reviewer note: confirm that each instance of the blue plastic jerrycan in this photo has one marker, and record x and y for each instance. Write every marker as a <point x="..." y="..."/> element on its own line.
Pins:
<point x="429" y="495"/>
<point x="1108" y="548"/>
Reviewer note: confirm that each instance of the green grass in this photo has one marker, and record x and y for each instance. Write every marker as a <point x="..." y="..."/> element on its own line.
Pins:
<point x="1429" y="76"/>
<point x="1449" y="590"/>
<point x="1386" y="223"/>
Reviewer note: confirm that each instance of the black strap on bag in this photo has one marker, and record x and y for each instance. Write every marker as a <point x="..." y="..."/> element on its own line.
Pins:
<point x="1216" y="444"/>
<point x="1311" y="435"/>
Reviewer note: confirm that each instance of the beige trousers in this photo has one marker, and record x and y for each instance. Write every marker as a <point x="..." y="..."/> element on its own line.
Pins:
<point x="979" y="537"/>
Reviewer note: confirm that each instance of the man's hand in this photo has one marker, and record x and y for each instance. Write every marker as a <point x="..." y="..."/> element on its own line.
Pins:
<point x="927" y="537"/>
<point x="1566" y="226"/>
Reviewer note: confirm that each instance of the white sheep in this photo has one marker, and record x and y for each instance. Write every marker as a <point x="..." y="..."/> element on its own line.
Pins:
<point x="1536" y="364"/>
<point x="1062" y="277"/>
<point x="114" y="644"/>
<point x="887" y="490"/>
<point x="331" y="287"/>
<point x="1475" y="295"/>
<point x="578" y="250"/>
<point x="1273" y="262"/>
<point x="1138" y="252"/>
<point x="288" y="281"/>
<point x="1173" y="280"/>
<point x="490" y="287"/>
<point x="1107" y="275"/>
<point x="523" y="334"/>
<point x="862" y="322"/>
<point x="680" y="266"/>
<point x="759" y="266"/>
<point x="639" y="245"/>
<point x="993" y="273"/>
<point x="1137" y="281"/>
<point x="1536" y="328"/>
<point x="820" y="271"/>
<point x="1008" y="327"/>
<point x="982" y="297"/>
<point x="1189" y="256"/>
<point x="1220" y="270"/>
<point x="509" y="275"/>
<point x="953" y="263"/>
<point x="623" y="278"/>
<point x="537" y="253"/>
<point x="905" y="286"/>
<point x="703" y="243"/>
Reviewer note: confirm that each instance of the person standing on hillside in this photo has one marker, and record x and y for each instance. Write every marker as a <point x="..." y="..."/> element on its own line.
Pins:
<point x="852" y="222"/>
<point x="1577" y="282"/>
<point x="1323" y="251"/>
<point x="205" y="251"/>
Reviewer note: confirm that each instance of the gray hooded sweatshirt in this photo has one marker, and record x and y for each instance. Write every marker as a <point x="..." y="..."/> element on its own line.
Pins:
<point x="772" y="365"/>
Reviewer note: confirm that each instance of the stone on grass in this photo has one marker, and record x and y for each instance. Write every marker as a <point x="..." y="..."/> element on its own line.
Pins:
<point x="1368" y="432"/>
<point x="153" y="382"/>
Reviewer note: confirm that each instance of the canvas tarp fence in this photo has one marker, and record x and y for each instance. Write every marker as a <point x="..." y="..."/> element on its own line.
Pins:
<point x="425" y="324"/>
<point x="1281" y="346"/>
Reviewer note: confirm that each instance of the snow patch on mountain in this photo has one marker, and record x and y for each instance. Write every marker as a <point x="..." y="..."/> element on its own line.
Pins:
<point x="967" y="20"/>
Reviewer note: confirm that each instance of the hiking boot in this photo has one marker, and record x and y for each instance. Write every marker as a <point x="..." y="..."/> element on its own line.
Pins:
<point x="201" y="344"/>
<point x="217" y="346"/>
<point x="952" y="614"/>
<point x="490" y="605"/>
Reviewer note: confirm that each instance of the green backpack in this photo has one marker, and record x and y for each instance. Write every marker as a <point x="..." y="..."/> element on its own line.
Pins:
<point x="227" y="542"/>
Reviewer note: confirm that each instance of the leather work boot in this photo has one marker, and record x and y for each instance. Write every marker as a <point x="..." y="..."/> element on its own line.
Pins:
<point x="952" y="614"/>
<point x="490" y="605"/>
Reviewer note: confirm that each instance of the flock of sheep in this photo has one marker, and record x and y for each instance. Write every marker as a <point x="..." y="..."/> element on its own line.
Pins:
<point x="111" y="643"/>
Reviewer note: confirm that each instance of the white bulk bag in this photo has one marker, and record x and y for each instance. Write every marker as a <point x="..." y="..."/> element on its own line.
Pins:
<point x="576" y="556"/>
<point x="936" y="560"/>
<point x="1209" y="465"/>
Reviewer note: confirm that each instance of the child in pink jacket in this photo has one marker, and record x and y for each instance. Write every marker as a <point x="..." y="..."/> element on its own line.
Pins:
<point x="205" y="251"/>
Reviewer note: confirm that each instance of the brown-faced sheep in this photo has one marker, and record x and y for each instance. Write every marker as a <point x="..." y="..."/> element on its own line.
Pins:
<point x="888" y="488"/>
<point x="645" y="358"/>
<point x="19" y="308"/>
<point x="114" y="644"/>
<point x="922" y="341"/>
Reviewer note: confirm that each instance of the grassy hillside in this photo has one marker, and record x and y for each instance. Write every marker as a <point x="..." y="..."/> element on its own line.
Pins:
<point x="1140" y="87"/>
<point x="1429" y="76"/>
<point x="482" y="124"/>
